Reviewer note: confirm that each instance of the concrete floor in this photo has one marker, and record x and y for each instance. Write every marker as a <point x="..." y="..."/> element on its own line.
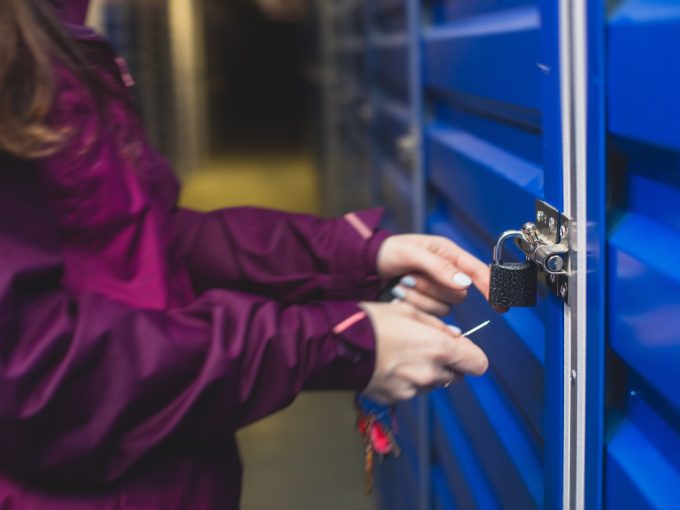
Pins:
<point x="309" y="456"/>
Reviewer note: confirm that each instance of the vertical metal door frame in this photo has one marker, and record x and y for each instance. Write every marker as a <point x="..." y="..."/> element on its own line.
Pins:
<point x="573" y="187"/>
<point x="581" y="98"/>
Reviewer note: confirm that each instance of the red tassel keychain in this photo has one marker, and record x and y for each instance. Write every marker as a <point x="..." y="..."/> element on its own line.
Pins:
<point x="378" y="439"/>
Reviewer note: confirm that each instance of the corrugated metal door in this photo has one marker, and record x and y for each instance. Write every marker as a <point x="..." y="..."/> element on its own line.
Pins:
<point x="458" y="105"/>
<point x="642" y="461"/>
<point x="492" y="145"/>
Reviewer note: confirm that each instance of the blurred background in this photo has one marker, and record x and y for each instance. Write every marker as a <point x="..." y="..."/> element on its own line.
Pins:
<point x="230" y="96"/>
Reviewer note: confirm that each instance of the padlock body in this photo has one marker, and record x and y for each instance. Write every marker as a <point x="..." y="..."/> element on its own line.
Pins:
<point x="513" y="284"/>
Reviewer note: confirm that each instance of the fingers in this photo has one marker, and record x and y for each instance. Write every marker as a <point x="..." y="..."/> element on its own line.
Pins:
<point x="433" y="289"/>
<point x="426" y="378"/>
<point x="449" y="348"/>
<point x="451" y="263"/>
<point x="440" y="269"/>
<point x="426" y="319"/>
<point x="421" y="301"/>
<point x="417" y="352"/>
<point x="466" y="357"/>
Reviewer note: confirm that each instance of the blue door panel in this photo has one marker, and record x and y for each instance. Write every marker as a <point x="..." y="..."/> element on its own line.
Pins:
<point x="514" y="130"/>
<point x="493" y="56"/>
<point x="642" y="460"/>
<point x="470" y="485"/>
<point x="518" y="361"/>
<point x="448" y="10"/>
<point x="645" y="302"/>
<point x="406" y="497"/>
<point x="408" y="418"/>
<point x="644" y="71"/>
<point x="404" y="469"/>
<point x="510" y="462"/>
<point x="484" y="174"/>
<point x="490" y="85"/>
<point x="441" y="495"/>
<point x="646" y="181"/>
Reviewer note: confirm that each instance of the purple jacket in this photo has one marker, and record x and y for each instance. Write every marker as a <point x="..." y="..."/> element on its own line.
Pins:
<point x="136" y="337"/>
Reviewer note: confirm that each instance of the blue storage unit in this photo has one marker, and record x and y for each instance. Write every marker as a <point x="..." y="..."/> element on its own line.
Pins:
<point x="642" y="462"/>
<point x="477" y="108"/>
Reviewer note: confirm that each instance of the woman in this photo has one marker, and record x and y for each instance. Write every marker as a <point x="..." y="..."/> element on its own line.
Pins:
<point x="136" y="337"/>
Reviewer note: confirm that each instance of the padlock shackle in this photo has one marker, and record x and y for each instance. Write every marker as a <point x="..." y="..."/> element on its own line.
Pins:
<point x="508" y="234"/>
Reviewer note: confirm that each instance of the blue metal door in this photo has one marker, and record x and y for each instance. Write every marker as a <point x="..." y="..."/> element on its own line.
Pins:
<point x="462" y="103"/>
<point x="492" y="145"/>
<point x="642" y="436"/>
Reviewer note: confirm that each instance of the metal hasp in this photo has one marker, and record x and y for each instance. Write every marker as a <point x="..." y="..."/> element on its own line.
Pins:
<point x="546" y="242"/>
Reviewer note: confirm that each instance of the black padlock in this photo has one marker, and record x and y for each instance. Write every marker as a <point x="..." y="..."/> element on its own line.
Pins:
<point x="513" y="284"/>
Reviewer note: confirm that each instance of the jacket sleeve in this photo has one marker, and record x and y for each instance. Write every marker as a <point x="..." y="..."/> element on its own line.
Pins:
<point x="89" y="386"/>
<point x="292" y="257"/>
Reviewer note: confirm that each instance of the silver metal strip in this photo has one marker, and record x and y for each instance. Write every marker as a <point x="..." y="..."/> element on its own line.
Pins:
<point x="566" y="101"/>
<point x="579" y="200"/>
<point x="574" y="69"/>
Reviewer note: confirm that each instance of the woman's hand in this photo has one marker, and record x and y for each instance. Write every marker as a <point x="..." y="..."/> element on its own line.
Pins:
<point x="436" y="272"/>
<point x="416" y="352"/>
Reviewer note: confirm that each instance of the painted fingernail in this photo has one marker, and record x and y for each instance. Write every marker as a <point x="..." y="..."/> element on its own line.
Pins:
<point x="455" y="329"/>
<point x="399" y="292"/>
<point x="408" y="281"/>
<point x="462" y="279"/>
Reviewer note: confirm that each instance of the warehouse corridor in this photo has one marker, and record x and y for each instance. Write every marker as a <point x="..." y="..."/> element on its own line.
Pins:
<point x="308" y="456"/>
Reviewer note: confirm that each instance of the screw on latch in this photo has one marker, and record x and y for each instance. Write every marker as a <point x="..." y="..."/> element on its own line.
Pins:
<point x="552" y="223"/>
<point x="540" y="216"/>
<point x="563" y="232"/>
<point x="563" y="290"/>
<point x="555" y="263"/>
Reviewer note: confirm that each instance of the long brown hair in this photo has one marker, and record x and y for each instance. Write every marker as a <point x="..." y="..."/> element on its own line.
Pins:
<point x="32" y="40"/>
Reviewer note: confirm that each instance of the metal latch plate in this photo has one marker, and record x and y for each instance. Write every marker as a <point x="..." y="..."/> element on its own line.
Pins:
<point x="553" y="228"/>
